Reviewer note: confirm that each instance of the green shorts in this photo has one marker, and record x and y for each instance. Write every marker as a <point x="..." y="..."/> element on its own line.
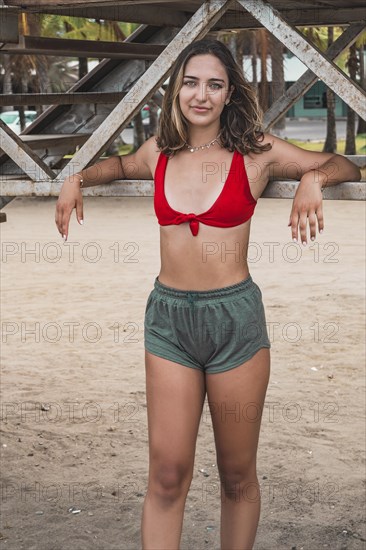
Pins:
<point x="210" y="330"/>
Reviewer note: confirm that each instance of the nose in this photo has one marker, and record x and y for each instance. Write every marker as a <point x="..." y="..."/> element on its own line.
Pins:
<point x="202" y="93"/>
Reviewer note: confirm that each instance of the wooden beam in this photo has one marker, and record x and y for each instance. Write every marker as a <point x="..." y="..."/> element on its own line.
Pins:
<point x="23" y="155"/>
<point x="309" y="54"/>
<point x="17" y="186"/>
<point x="9" y="31"/>
<point x="149" y="82"/>
<point x="72" y="98"/>
<point x="233" y="19"/>
<point x="42" y="141"/>
<point x="83" y="48"/>
<point x="304" y="83"/>
<point x="71" y="3"/>
<point x="302" y="17"/>
<point x="134" y="14"/>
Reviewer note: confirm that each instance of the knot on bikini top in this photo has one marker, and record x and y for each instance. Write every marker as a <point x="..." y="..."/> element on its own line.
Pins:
<point x="193" y="222"/>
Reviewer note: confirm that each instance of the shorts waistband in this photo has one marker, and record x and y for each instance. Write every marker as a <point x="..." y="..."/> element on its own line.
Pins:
<point x="197" y="295"/>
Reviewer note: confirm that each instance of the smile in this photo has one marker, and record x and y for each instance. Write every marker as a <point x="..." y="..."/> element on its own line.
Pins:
<point x="200" y="109"/>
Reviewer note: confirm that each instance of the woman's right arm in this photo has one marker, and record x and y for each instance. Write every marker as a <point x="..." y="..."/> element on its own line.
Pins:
<point x="133" y="166"/>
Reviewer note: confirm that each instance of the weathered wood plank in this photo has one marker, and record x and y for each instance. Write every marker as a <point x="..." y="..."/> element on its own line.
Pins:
<point x="152" y="79"/>
<point x="44" y="140"/>
<point x="71" y="3"/>
<point x="309" y="54"/>
<point x="136" y="14"/>
<point x="76" y="98"/>
<point x="23" y="155"/>
<point x="83" y="48"/>
<point x="304" y="83"/>
<point x="175" y="17"/>
<point x="301" y="17"/>
<point x="16" y="186"/>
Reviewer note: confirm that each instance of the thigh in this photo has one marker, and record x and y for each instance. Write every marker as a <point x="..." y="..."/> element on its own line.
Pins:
<point x="236" y="398"/>
<point x="175" y="395"/>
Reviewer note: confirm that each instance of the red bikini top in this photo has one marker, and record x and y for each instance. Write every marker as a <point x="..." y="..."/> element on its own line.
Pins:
<point x="234" y="205"/>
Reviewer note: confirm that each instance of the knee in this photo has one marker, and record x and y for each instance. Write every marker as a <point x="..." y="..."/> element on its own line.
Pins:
<point x="170" y="481"/>
<point x="239" y="482"/>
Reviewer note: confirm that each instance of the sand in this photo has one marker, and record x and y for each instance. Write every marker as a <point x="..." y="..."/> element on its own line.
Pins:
<point x="74" y="448"/>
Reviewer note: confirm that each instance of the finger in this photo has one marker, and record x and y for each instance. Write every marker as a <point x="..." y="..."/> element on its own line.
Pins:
<point x="312" y="225"/>
<point x="58" y="218"/>
<point x="79" y="211"/>
<point x="294" y="224"/>
<point x="65" y="225"/>
<point x="319" y="214"/>
<point x="302" y="225"/>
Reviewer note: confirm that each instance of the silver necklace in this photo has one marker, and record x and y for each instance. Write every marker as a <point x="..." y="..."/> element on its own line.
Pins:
<point x="207" y="145"/>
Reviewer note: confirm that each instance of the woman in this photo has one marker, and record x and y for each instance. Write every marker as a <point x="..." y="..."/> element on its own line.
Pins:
<point x="205" y="327"/>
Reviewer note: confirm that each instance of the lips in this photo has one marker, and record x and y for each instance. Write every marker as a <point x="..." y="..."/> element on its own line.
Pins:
<point x="201" y="109"/>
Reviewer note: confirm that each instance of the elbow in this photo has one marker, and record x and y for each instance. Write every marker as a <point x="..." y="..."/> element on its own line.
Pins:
<point x="352" y="171"/>
<point x="356" y="172"/>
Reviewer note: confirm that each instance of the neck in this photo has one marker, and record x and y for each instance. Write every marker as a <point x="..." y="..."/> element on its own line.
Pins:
<point x="200" y="136"/>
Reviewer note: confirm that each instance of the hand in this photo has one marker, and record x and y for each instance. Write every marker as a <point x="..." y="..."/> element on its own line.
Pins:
<point x="70" y="197"/>
<point x="307" y="204"/>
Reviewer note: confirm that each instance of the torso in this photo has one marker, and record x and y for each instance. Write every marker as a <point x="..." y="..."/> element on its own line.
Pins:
<point x="217" y="256"/>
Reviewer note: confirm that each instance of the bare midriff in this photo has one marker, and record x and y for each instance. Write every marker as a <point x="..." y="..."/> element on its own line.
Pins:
<point x="215" y="258"/>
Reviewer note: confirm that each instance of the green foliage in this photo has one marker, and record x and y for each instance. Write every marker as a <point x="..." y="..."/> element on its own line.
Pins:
<point x="79" y="28"/>
<point x="318" y="145"/>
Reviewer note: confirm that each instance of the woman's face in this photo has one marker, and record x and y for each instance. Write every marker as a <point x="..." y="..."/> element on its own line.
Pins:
<point x="205" y="85"/>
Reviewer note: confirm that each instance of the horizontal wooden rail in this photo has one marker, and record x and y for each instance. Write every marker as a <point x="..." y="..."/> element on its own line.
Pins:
<point x="83" y="48"/>
<point x="74" y="98"/>
<point x="14" y="186"/>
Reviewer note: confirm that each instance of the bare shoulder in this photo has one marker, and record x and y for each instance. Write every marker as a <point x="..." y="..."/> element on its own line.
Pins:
<point x="141" y="164"/>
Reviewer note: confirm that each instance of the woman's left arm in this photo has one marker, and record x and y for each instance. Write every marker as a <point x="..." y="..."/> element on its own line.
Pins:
<point x="315" y="171"/>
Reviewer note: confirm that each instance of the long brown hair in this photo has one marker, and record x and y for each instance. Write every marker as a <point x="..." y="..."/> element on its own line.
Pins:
<point x="240" y="121"/>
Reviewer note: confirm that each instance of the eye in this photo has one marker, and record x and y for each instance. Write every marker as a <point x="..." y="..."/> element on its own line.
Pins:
<point x="212" y="85"/>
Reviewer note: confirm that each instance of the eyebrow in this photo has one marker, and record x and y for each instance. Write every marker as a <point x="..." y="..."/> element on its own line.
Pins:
<point x="209" y="80"/>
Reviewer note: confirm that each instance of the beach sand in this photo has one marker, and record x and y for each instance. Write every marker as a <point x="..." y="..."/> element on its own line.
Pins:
<point x="74" y="448"/>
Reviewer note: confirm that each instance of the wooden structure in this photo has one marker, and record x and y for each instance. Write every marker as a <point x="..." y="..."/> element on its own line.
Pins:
<point x="101" y="104"/>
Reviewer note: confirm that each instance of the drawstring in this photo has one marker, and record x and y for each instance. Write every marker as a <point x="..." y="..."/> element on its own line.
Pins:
<point x="191" y="296"/>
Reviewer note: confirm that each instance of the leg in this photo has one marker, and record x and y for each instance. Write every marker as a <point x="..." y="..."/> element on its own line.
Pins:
<point x="236" y="399"/>
<point x="175" y="395"/>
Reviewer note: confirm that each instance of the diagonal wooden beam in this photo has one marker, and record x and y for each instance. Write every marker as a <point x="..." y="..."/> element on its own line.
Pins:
<point x="196" y="28"/>
<point x="23" y="155"/>
<point x="304" y="83"/>
<point x="309" y="54"/>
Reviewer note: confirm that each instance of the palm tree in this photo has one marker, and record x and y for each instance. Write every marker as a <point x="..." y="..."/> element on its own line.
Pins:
<point x="352" y="64"/>
<point x="262" y="36"/>
<point x="360" y="44"/>
<point x="278" y="78"/>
